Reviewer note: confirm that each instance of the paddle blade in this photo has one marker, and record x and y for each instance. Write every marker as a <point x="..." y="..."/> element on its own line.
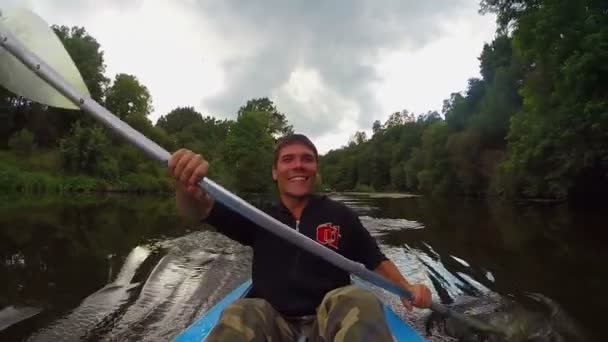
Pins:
<point x="33" y="32"/>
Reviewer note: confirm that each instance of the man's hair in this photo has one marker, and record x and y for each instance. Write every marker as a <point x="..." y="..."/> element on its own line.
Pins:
<point x="292" y="139"/>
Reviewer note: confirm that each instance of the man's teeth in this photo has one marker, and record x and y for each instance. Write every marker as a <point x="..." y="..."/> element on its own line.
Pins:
<point x="300" y="179"/>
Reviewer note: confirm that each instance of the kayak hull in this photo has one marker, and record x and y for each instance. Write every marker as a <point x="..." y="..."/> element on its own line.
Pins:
<point x="200" y="329"/>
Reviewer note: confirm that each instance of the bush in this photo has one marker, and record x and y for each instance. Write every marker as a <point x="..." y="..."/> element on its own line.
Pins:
<point x="80" y="184"/>
<point x="22" y="142"/>
<point x="14" y="180"/>
<point x="8" y="177"/>
<point x="142" y="183"/>
<point x="85" y="149"/>
<point x="364" y="188"/>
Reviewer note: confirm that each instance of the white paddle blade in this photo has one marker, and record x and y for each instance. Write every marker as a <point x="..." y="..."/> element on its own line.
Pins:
<point x="39" y="38"/>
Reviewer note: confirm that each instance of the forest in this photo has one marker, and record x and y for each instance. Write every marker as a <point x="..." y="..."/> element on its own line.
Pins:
<point x="534" y="125"/>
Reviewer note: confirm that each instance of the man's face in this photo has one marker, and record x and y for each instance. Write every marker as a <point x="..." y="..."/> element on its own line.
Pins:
<point x="295" y="170"/>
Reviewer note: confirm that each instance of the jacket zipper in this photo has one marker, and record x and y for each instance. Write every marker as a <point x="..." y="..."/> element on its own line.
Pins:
<point x="293" y="274"/>
<point x="297" y="257"/>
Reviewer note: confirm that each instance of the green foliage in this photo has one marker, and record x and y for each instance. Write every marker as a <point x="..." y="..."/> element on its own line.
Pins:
<point x="249" y="147"/>
<point x="557" y="142"/>
<point x="86" y="53"/>
<point x="22" y="142"/>
<point x="127" y="98"/>
<point x="277" y="124"/>
<point x="179" y="119"/>
<point x="364" y="188"/>
<point x="144" y="183"/>
<point x="16" y="180"/>
<point x="534" y="125"/>
<point x="85" y="150"/>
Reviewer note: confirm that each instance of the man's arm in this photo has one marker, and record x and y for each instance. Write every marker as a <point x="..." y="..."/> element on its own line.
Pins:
<point x="194" y="204"/>
<point x="368" y="252"/>
<point x="188" y="168"/>
<point x="421" y="293"/>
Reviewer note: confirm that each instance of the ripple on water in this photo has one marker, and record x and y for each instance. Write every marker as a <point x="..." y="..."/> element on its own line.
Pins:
<point x="97" y="307"/>
<point x="190" y="275"/>
<point x="379" y="226"/>
<point x="198" y="271"/>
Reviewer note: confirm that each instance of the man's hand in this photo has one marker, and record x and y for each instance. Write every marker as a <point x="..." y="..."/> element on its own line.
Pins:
<point x="421" y="293"/>
<point x="422" y="297"/>
<point x="188" y="168"/>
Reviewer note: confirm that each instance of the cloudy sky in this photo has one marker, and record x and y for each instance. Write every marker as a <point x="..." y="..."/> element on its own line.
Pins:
<point x="332" y="66"/>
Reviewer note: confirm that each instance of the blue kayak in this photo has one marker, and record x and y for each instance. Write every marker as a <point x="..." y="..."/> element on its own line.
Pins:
<point x="199" y="330"/>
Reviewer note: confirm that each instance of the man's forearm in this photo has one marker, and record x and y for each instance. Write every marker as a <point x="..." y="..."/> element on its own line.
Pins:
<point x="390" y="271"/>
<point x="189" y="207"/>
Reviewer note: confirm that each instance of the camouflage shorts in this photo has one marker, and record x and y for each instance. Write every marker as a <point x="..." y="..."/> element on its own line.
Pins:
<point x="345" y="314"/>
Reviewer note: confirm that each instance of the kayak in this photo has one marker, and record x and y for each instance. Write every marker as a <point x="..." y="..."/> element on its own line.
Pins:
<point x="200" y="329"/>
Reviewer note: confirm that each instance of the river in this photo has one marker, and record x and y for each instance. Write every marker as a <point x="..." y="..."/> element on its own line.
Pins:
<point x="127" y="268"/>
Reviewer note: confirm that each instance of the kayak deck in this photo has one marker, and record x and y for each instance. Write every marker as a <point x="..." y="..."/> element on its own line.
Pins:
<point x="200" y="329"/>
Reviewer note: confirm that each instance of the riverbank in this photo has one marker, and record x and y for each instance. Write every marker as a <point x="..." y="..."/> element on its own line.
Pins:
<point x="43" y="174"/>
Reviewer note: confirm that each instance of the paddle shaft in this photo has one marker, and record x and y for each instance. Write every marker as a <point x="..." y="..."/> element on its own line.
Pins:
<point x="90" y="106"/>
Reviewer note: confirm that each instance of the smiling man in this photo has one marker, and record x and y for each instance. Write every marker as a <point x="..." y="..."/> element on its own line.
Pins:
<point x="295" y="293"/>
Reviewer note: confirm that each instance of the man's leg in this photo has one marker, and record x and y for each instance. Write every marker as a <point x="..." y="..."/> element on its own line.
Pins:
<point x="251" y="319"/>
<point x="352" y="314"/>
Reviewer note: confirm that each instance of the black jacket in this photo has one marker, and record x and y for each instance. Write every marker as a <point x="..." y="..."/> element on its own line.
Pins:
<point x="292" y="280"/>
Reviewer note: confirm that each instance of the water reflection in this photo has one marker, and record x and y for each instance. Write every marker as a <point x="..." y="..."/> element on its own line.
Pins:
<point x="124" y="268"/>
<point x="493" y="252"/>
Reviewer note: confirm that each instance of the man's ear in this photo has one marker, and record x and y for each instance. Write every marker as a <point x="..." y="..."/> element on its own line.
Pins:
<point x="274" y="173"/>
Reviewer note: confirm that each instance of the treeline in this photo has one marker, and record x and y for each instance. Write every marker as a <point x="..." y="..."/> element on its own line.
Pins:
<point x="535" y="125"/>
<point x="56" y="150"/>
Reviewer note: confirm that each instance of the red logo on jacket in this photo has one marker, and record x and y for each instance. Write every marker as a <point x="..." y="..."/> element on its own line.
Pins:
<point x="328" y="234"/>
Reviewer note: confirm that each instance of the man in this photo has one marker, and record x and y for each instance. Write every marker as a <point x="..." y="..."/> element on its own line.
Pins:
<point x="295" y="292"/>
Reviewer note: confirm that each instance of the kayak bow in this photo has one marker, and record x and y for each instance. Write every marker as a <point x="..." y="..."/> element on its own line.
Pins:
<point x="200" y="329"/>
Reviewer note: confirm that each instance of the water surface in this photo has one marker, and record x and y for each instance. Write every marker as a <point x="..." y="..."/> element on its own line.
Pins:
<point x="128" y="268"/>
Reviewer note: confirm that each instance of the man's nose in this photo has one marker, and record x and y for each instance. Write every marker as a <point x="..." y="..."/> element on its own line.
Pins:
<point x="297" y="163"/>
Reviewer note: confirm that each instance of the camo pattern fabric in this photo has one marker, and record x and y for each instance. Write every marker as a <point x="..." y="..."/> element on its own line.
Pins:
<point x="346" y="314"/>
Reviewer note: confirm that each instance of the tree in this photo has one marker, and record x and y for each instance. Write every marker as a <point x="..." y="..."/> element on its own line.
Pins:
<point x="277" y="124"/>
<point x="86" y="54"/>
<point x="507" y="10"/>
<point x="358" y="138"/>
<point x="557" y="141"/>
<point x="399" y="118"/>
<point x="249" y="149"/>
<point x="127" y="97"/>
<point x="22" y="142"/>
<point x="179" y="119"/>
<point x="377" y="127"/>
<point x="50" y="124"/>
<point x="87" y="150"/>
<point x="429" y="117"/>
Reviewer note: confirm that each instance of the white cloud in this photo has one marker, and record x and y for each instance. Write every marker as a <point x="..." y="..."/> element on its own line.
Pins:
<point x="332" y="67"/>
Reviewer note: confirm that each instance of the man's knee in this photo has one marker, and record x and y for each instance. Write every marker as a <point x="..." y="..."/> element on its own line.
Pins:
<point x="251" y="310"/>
<point x="244" y="319"/>
<point x="353" y="295"/>
<point x="352" y="313"/>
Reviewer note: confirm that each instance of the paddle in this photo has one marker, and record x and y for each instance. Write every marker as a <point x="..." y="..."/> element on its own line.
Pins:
<point x="55" y="81"/>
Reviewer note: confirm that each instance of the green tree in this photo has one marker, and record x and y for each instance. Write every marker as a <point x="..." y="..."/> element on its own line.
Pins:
<point x="556" y="142"/>
<point x="127" y="97"/>
<point x="358" y="138"/>
<point x="86" y="53"/>
<point x="179" y="119"/>
<point x="87" y="150"/>
<point x="22" y="142"/>
<point x="277" y="124"/>
<point x="249" y="149"/>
